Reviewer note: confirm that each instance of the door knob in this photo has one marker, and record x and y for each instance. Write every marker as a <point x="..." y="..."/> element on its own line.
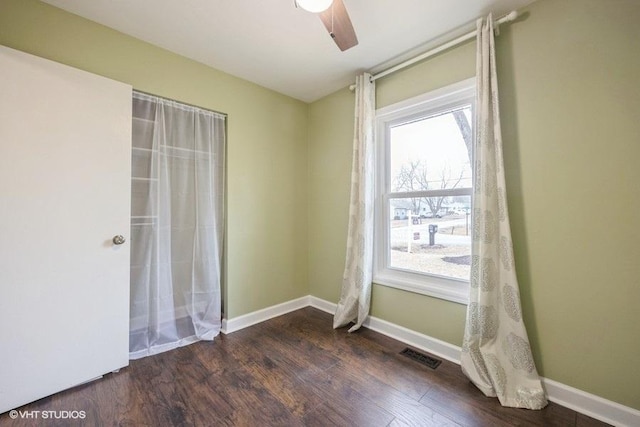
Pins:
<point x="118" y="240"/>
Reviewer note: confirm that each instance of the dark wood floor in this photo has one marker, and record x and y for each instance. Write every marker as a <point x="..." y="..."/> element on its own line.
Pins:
<point x="289" y="371"/>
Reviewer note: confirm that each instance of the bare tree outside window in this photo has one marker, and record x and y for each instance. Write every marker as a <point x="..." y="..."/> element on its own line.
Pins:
<point x="414" y="177"/>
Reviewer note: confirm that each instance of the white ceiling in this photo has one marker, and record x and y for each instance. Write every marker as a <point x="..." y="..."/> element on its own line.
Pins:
<point x="274" y="44"/>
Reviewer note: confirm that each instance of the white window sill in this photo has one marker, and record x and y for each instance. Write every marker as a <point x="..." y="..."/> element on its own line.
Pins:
<point x="438" y="287"/>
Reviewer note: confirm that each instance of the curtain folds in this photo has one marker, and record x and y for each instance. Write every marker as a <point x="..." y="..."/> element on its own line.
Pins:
<point x="496" y="355"/>
<point x="176" y="225"/>
<point x="356" y="283"/>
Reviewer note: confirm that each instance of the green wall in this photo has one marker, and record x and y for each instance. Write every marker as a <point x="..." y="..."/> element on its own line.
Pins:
<point x="266" y="261"/>
<point x="570" y="99"/>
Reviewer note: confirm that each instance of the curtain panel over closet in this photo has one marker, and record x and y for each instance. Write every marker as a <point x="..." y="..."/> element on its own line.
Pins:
<point x="176" y="224"/>
<point x="496" y="355"/>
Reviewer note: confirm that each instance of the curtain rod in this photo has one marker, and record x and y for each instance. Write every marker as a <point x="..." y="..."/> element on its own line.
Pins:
<point x="180" y="102"/>
<point x="507" y="18"/>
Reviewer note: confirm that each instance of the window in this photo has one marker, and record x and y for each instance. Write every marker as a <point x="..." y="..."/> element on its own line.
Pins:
<point x="424" y="185"/>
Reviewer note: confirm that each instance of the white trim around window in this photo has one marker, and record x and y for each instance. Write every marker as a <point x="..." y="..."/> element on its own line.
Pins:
<point x="427" y="105"/>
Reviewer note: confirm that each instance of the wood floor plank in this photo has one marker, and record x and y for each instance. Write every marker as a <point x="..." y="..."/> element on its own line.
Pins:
<point x="118" y="398"/>
<point x="293" y="370"/>
<point x="368" y="356"/>
<point x="585" y="421"/>
<point x="407" y="411"/>
<point x="468" y="406"/>
<point x="338" y="414"/>
<point x="181" y="395"/>
<point x="298" y="397"/>
<point x="295" y="349"/>
<point x="251" y="403"/>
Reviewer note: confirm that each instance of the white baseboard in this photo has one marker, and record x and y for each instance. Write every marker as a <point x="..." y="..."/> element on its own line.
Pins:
<point x="423" y="342"/>
<point x="591" y="405"/>
<point x="580" y="401"/>
<point x="322" y="304"/>
<point x="246" y="320"/>
<point x="432" y="345"/>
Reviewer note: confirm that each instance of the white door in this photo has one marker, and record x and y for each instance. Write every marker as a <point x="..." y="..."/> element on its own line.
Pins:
<point x="65" y="138"/>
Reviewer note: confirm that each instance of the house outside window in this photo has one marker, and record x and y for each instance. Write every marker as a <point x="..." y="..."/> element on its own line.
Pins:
<point x="423" y="193"/>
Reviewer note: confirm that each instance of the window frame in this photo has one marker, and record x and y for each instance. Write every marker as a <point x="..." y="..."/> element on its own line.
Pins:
<point x="422" y="106"/>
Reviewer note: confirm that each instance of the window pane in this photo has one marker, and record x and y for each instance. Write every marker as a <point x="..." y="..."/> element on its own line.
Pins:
<point x="431" y="153"/>
<point x="431" y="235"/>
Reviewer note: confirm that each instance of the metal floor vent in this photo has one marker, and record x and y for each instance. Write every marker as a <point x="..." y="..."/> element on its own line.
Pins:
<point x="421" y="358"/>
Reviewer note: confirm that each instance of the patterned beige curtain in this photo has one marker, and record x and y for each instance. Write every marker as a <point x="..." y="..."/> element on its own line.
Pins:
<point x="496" y="355"/>
<point x="355" y="297"/>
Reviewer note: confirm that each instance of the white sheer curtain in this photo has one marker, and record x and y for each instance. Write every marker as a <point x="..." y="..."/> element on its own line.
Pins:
<point x="176" y="224"/>
<point x="355" y="297"/>
<point x="496" y="355"/>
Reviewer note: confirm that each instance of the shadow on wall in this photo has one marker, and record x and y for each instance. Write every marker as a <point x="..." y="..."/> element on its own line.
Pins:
<point x="512" y="158"/>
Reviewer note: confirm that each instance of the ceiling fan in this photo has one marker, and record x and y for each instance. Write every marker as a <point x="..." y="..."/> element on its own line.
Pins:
<point x="335" y="18"/>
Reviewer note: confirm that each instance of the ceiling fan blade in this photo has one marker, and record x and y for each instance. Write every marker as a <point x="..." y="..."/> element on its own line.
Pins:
<point x="336" y="20"/>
